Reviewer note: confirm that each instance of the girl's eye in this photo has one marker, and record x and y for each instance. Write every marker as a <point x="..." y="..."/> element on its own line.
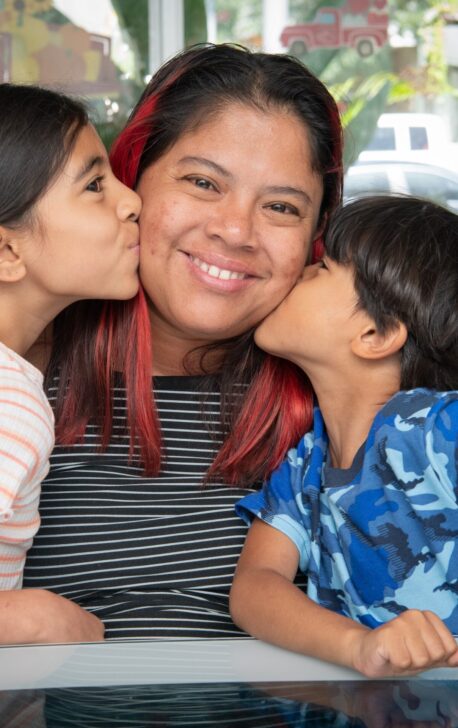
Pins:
<point x="95" y="185"/>
<point x="323" y="264"/>
<point x="283" y="208"/>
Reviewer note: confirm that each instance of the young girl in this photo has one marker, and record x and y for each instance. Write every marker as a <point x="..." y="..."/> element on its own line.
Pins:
<point x="68" y="231"/>
<point x="367" y="503"/>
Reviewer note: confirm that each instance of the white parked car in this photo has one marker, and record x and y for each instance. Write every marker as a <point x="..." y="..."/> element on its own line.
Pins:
<point x="412" y="137"/>
<point x="411" y="178"/>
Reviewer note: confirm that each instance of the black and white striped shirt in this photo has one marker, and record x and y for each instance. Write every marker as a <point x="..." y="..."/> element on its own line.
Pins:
<point x="152" y="557"/>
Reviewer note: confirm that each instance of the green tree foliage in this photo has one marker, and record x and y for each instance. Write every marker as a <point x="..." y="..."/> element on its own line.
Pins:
<point x="195" y="22"/>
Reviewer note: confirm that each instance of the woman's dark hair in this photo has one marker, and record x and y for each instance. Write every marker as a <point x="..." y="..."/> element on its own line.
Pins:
<point x="197" y="84"/>
<point x="277" y="407"/>
<point x="404" y="254"/>
<point x="38" y="129"/>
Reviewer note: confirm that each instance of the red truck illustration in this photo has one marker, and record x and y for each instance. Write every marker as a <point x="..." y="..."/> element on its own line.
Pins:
<point x="336" y="27"/>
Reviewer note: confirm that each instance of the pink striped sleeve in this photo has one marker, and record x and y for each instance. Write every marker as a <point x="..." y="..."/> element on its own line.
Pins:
<point x="26" y="440"/>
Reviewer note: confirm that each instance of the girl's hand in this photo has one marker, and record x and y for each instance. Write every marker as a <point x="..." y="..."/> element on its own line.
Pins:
<point x="31" y="616"/>
<point x="412" y="642"/>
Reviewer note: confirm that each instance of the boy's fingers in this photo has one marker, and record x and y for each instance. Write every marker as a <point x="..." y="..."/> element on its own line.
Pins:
<point x="448" y="641"/>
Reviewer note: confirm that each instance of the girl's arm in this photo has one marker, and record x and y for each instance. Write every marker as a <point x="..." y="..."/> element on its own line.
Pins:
<point x="30" y="616"/>
<point x="266" y="603"/>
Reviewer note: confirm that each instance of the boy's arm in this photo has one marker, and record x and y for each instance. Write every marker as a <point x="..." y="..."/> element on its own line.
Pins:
<point x="266" y="603"/>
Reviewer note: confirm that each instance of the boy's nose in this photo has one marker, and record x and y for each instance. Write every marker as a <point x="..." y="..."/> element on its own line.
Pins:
<point x="310" y="271"/>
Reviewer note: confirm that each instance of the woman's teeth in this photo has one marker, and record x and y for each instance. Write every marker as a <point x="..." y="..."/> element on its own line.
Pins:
<point x="215" y="272"/>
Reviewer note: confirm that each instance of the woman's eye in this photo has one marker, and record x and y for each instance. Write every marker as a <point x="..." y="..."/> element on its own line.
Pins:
<point x="202" y="183"/>
<point x="95" y="185"/>
<point x="284" y="209"/>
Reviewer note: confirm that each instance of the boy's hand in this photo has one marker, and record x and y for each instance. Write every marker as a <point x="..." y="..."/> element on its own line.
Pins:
<point x="412" y="642"/>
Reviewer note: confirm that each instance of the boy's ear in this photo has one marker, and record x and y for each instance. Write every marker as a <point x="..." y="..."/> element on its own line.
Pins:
<point x="370" y="343"/>
<point x="12" y="267"/>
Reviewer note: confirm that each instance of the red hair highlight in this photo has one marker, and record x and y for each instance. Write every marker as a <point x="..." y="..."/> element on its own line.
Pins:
<point x="277" y="410"/>
<point x="127" y="149"/>
<point x="142" y="415"/>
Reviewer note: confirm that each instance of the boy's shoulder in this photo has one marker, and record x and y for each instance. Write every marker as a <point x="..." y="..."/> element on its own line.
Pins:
<point x="408" y="403"/>
<point x="417" y="408"/>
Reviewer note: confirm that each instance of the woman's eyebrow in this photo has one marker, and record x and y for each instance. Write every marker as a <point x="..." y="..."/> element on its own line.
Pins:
<point x="96" y="160"/>
<point x="207" y="163"/>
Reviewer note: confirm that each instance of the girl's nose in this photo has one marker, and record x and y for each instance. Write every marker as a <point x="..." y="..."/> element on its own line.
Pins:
<point x="129" y="204"/>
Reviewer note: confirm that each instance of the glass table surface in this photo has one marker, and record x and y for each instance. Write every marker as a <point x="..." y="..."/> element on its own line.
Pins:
<point x="233" y="683"/>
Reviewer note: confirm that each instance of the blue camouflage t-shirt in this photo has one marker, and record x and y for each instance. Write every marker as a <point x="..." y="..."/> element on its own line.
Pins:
<point x="381" y="536"/>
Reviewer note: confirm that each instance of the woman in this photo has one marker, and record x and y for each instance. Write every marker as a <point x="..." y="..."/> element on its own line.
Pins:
<point x="237" y="159"/>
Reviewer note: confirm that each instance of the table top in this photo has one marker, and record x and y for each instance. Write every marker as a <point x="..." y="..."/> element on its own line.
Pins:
<point x="233" y="683"/>
<point x="162" y="662"/>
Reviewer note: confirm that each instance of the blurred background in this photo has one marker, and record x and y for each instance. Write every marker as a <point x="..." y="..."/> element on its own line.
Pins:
<point x="392" y="66"/>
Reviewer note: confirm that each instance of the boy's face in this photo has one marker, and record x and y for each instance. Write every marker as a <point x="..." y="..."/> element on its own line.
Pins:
<point x="317" y="321"/>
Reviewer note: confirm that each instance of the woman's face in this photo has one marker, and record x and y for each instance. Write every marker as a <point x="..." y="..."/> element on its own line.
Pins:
<point x="228" y="217"/>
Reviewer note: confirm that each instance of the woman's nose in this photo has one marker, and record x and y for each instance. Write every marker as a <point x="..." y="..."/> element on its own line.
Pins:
<point x="233" y="222"/>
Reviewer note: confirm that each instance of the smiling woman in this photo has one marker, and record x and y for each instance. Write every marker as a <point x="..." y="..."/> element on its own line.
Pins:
<point x="237" y="159"/>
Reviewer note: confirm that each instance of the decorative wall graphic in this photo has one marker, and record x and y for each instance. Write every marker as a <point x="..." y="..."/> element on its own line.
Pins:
<point x="39" y="45"/>
<point x="359" y="24"/>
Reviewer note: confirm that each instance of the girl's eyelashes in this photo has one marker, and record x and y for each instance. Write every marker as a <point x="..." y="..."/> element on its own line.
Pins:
<point x="95" y="185"/>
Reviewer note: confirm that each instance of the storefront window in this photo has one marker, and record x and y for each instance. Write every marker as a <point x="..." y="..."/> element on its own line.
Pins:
<point x="378" y="57"/>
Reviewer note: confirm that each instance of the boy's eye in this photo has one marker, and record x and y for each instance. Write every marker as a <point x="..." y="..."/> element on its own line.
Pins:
<point x="284" y="208"/>
<point x="95" y="185"/>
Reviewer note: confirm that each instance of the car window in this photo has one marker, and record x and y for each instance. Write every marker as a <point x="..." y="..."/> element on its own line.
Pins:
<point x="366" y="183"/>
<point x="418" y="137"/>
<point x="432" y="186"/>
<point x="383" y="139"/>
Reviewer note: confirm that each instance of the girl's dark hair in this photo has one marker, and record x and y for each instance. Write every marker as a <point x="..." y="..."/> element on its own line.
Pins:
<point x="38" y="129"/>
<point x="277" y="407"/>
<point x="404" y="253"/>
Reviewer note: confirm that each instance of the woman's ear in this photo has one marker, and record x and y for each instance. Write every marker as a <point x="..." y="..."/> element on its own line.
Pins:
<point x="370" y="343"/>
<point x="12" y="266"/>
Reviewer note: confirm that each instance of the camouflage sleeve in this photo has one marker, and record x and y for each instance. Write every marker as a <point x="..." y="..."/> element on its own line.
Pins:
<point x="280" y="504"/>
<point x="441" y="442"/>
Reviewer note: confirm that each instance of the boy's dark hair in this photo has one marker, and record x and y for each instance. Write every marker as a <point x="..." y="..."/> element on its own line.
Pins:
<point x="38" y="128"/>
<point x="404" y="252"/>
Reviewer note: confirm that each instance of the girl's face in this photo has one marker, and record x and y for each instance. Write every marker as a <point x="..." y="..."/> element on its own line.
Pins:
<point x="84" y="239"/>
<point x="317" y="320"/>
<point x="229" y="213"/>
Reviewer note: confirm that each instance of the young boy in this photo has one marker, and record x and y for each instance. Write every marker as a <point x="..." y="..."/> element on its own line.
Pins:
<point x="366" y="505"/>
